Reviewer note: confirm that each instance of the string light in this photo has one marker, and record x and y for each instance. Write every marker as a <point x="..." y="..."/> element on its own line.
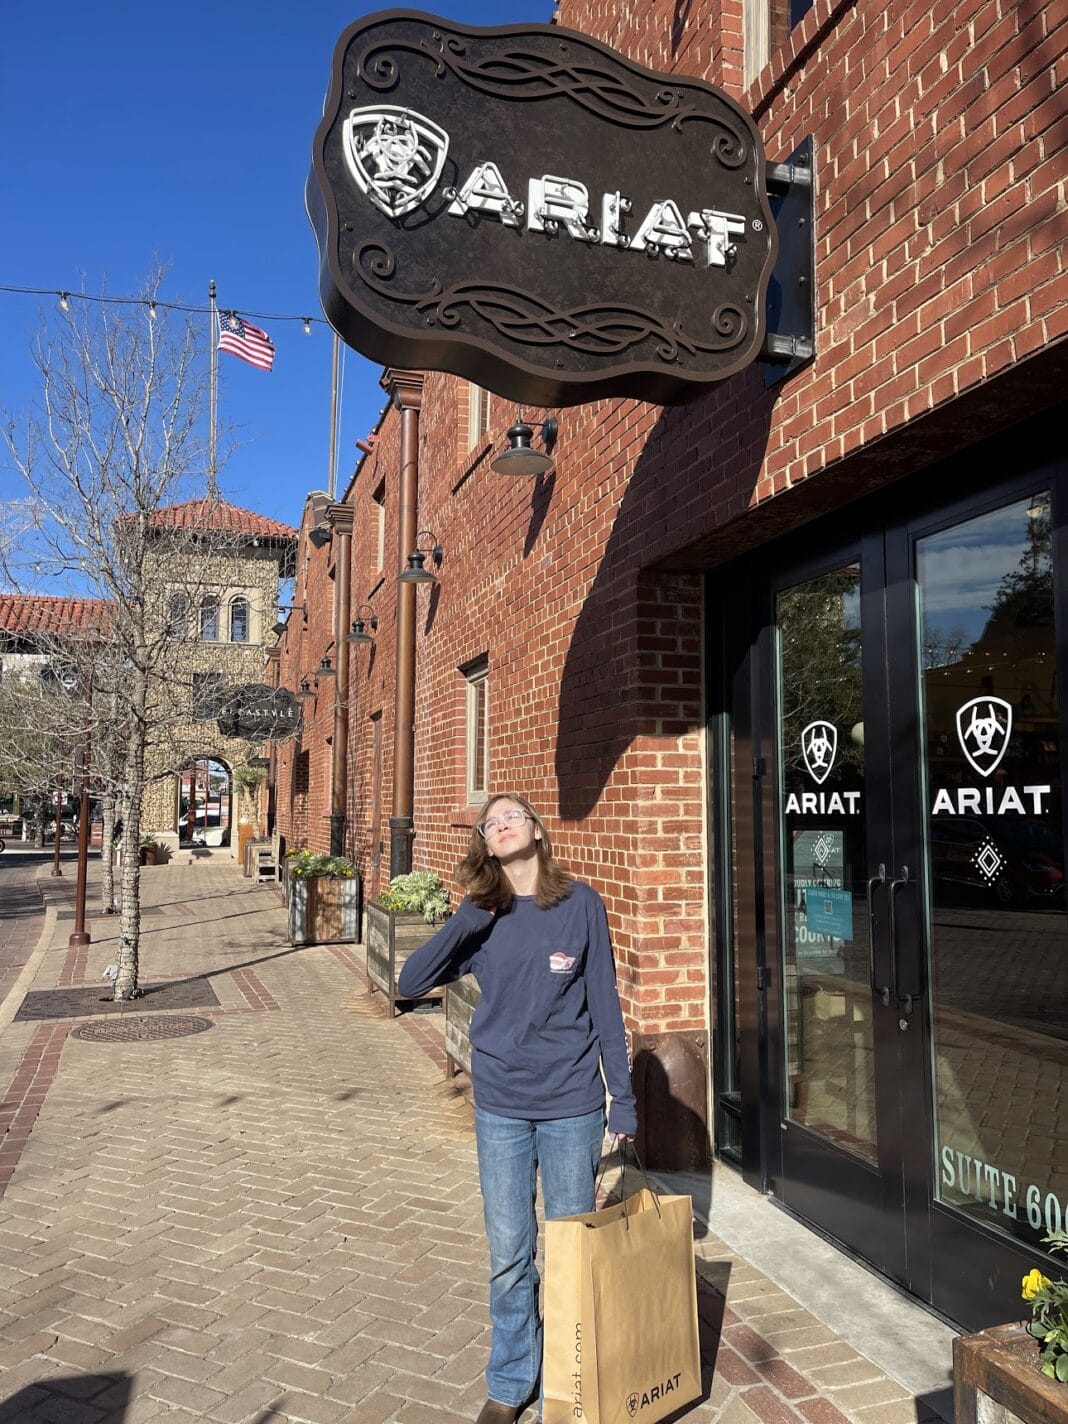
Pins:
<point x="65" y="299"/>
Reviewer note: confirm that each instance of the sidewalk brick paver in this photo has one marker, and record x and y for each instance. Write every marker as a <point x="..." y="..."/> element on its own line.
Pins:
<point x="280" y="1219"/>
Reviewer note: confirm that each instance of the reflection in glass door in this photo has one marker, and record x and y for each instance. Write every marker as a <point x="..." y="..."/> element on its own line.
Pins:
<point x="827" y="998"/>
<point x="997" y="939"/>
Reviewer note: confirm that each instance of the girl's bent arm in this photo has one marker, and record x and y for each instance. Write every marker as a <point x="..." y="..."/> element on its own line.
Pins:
<point x="603" y="999"/>
<point x="446" y="956"/>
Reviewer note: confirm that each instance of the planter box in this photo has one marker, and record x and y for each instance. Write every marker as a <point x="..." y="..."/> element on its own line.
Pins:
<point x="461" y="1000"/>
<point x="995" y="1380"/>
<point x="390" y="940"/>
<point x="325" y="910"/>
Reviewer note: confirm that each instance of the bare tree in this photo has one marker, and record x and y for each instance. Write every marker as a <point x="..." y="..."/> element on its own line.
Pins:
<point x="111" y="460"/>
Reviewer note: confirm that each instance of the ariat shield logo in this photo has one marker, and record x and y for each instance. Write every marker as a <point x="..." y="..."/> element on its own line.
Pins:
<point x="984" y="726"/>
<point x="642" y="1399"/>
<point x="819" y="747"/>
<point x="395" y="155"/>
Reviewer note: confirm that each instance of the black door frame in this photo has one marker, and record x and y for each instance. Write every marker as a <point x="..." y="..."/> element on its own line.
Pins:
<point x="741" y="649"/>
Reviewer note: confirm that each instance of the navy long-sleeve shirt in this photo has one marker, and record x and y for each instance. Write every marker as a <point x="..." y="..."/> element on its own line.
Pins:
<point x="549" y="1014"/>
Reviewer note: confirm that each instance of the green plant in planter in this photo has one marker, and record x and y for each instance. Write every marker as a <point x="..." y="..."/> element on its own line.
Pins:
<point x="1049" y="1311"/>
<point x="420" y="892"/>
<point x="148" y="839"/>
<point x="252" y="776"/>
<point x="318" y="865"/>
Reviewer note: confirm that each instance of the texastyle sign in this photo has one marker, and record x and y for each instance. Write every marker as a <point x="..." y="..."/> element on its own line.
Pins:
<point x="527" y="208"/>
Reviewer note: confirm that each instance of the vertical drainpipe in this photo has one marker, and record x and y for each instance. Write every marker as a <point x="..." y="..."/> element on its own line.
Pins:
<point x="340" y="518"/>
<point x="405" y="389"/>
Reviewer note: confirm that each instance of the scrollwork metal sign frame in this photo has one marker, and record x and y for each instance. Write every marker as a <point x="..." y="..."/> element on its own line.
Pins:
<point x="529" y="209"/>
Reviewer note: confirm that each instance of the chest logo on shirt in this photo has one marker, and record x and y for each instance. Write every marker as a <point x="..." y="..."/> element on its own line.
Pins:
<point x="561" y="963"/>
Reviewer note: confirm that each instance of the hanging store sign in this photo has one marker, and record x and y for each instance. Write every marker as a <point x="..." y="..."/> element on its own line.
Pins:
<point x="259" y="713"/>
<point x="527" y="208"/>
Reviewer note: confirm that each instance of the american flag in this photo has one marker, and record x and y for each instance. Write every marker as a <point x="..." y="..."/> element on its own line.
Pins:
<point x="242" y="339"/>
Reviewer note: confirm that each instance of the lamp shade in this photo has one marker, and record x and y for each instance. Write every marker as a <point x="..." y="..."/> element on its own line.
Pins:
<point x="417" y="572"/>
<point x="359" y="632"/>
<point x="521" y="458"/>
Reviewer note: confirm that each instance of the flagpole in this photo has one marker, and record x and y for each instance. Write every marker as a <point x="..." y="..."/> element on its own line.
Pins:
<point x="333" y="417"/>
<point x="213" y="492"/>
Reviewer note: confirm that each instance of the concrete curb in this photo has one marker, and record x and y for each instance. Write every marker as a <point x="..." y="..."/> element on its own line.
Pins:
<point x="10" y="1006"/>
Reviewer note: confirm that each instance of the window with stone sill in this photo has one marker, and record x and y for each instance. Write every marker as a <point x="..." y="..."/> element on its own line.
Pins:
<point x="478" y="415"/>
<point x="766" y="25"/>
<point x="476" y="692"/>
<point x="239" y="620"/>
<point x="209" y="619"/>
<point x="178" y="616"/>
<point x="378" y="499"/>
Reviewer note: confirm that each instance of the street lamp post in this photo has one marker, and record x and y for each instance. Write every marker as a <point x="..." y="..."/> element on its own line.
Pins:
<point x="81" y="935"/>
<point x="57" y="806"/>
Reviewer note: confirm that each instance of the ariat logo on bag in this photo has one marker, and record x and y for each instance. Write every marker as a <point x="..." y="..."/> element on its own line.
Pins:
<point x="637" y="1401"/>
<point x="560" y="963"/>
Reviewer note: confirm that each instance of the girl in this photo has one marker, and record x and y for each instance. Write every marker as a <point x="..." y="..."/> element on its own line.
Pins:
<point x="537" y="942"/>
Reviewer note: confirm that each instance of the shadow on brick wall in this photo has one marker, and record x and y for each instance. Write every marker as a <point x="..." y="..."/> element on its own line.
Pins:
<point x="699" y="466"/>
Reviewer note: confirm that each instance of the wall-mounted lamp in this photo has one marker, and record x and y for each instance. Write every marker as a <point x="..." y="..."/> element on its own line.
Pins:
<point x="521" y="458"/>
<point x="359" y="633"/>
<point x="325" y="669"/>
<point x="305" y="689"/>
<point x="280" y="627"/>
<point x="320" y="535"/>
<point x="417" y="572"/>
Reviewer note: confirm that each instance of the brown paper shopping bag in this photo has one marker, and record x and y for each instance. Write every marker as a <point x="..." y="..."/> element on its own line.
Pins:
<point x="621" y="1339"/>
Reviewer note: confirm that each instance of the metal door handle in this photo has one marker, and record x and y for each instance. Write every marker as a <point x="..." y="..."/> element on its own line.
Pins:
<point x="877" y="879"/>
<point x="895" y="886"/>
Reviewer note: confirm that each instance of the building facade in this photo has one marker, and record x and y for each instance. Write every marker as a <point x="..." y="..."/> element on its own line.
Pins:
<point x="214" y="581"/>
<point x="779" y="666"/>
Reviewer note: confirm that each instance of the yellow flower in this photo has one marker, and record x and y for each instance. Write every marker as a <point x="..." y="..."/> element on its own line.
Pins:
<point x="1033" y="1282"/>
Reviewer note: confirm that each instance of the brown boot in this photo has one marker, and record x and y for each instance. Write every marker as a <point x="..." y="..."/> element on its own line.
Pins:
<point x="494" y="1413"/>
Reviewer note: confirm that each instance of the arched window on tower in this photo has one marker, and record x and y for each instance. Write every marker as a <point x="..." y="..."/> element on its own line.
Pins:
<point x="209" y="619"/>
<point x="239" y="620"/>
<point x="178" y="615"/>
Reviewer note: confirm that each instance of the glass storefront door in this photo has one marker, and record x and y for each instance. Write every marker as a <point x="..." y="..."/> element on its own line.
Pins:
<point x="912" y="910"/>
<point x="994" y="955"/>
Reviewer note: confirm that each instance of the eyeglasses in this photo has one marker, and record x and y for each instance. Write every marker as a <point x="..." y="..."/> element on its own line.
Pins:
<point x="498" y="823"/>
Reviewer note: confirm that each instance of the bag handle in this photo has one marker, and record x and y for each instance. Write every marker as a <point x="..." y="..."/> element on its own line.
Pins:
<point x="621" y="1148"/>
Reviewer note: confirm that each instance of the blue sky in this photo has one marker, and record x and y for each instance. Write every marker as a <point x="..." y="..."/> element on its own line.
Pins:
<point x="133" y="133"/>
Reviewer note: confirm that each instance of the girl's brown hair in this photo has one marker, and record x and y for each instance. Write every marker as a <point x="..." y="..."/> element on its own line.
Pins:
<point x="483" y="880"/>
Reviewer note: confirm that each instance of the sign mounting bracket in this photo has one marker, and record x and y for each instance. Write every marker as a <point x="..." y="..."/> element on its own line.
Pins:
<point x="790" y="334"/>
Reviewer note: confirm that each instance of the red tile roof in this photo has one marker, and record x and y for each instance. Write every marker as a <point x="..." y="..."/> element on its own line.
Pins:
<point x="29" y="613"/>
<point x="216" y="514"/>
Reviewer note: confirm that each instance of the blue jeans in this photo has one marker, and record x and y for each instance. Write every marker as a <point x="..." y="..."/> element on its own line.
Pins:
<point x="510" y="1152"/>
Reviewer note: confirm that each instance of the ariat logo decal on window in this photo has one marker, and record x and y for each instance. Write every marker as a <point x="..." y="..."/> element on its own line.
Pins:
<point x="561" y="963"/>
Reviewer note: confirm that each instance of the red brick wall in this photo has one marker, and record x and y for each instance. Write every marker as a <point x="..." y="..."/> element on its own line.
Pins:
<point x="940" y="223"/>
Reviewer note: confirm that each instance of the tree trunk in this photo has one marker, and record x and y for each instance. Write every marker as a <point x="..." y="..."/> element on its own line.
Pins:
<point x="126" y="981"/>
<point x="40" y="817"/>
<point x="107" y="857"/>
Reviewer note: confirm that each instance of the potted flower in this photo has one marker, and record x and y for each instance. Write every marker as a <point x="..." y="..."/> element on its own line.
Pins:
<point x="1022" y="1368"/>
<point x="400" y="919"/>
<point x="148" y="849"/>
<point x="1049" y="1314"/>
<point x="323" y="898"/>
